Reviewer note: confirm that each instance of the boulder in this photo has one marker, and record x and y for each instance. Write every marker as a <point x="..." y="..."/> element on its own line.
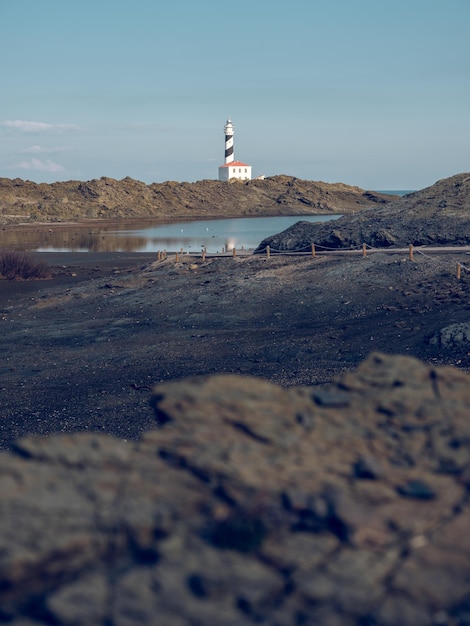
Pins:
<point x="249" y="503"/>
<point x="455" y="335"/>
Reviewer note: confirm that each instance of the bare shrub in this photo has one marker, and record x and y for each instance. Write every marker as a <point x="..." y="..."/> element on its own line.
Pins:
<point x="20" y="266"/>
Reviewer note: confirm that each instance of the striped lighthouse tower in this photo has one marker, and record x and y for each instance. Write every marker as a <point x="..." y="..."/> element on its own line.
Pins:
<point x="228" y="128"/>
<point x="232" y="169"/>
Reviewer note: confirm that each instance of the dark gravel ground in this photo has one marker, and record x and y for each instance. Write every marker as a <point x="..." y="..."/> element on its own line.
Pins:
<point x="81" y="351"/>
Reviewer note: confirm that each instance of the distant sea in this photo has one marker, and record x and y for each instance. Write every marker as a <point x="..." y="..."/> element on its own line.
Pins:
<point x="396" y="192"/>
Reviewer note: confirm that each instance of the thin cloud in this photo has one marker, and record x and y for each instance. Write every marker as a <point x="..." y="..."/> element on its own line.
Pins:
<point x="23" y="126"/>
<point x="40" y="150"/>
<point x="41" y="166"/>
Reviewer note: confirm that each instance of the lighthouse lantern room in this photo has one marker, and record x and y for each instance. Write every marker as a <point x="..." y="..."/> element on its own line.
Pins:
<point x="232" y="168"/>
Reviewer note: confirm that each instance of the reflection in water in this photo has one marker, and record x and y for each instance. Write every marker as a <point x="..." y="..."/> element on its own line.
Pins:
<point x="214" y="235"/>
<point x="73" y="238"/>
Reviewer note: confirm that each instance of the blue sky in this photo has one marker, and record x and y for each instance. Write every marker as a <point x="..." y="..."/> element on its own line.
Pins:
<point x="370" y="93"/>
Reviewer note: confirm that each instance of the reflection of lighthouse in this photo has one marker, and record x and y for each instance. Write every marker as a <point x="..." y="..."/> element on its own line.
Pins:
<point x="231" y="168"/>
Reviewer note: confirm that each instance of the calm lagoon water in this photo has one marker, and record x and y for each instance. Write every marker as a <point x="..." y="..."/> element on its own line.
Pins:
<point x="215" y="235"/>
<point x="151" y="236"/>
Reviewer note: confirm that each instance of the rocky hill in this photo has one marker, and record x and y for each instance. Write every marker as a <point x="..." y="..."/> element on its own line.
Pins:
<point x="437" y="215"/>
<point x="106" y="198"/>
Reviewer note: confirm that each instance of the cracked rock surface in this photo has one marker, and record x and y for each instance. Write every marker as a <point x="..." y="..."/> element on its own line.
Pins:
<point x="251" y="504"/>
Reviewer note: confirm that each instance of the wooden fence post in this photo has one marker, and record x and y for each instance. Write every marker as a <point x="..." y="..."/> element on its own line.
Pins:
<point x="364" y="250"/>
<point x="204" y="253"/>
<point x="268" y="252"/>
<point x="458" y="271"/>
<point x="411" y="252"/>
<point x="176" y="258"/>
<point x="313" y="249"/>
<point x="234" y="252"/>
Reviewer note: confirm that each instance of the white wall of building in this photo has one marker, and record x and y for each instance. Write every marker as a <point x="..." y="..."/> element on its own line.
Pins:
<point x="236" y="169"/>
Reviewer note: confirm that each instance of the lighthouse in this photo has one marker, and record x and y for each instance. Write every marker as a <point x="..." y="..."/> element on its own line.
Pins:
<point x="232" y="168"/>
<point x="228" y="130"/>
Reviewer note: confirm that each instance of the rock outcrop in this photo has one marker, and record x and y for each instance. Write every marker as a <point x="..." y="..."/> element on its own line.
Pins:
<point x="437" y="215"/>
<point x="345" y="504"/>
<point x="453" y="336"/>
<point x="106" y="198"/>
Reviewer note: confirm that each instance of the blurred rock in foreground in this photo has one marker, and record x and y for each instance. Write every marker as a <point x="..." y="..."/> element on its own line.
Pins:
<point x="339" y="505"/>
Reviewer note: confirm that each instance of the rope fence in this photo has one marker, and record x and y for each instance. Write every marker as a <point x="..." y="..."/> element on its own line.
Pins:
<point x="459" y="265"/>
<point x="364" y="248"/>
<point x="314" y="249"/>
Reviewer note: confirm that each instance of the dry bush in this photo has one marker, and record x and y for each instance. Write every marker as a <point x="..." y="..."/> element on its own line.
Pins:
<point x="17" y="265"/>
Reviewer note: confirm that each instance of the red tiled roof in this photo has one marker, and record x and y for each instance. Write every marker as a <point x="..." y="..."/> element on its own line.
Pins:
<point x="235" y="164"/>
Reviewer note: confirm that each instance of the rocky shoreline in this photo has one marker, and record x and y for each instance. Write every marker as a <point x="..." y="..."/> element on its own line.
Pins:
<point x="436" y="216"/>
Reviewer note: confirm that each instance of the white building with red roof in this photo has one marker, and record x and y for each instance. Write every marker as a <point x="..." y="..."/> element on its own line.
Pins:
<point x="232" y="168"/>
